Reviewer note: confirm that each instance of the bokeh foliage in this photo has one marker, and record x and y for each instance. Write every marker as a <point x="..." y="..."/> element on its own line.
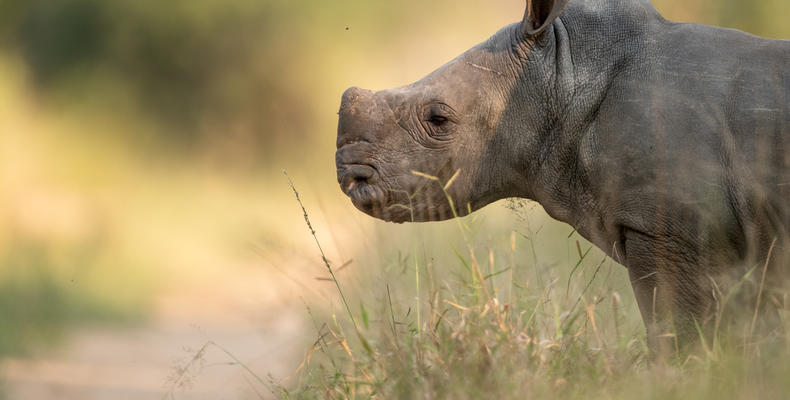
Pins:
<point x="208" y="67"/>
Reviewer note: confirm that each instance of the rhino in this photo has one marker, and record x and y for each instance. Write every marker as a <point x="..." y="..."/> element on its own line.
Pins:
<point x="666" y="145"/>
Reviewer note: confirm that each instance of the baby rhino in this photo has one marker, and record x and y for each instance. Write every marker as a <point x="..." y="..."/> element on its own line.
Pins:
<point x="667" y="145"/>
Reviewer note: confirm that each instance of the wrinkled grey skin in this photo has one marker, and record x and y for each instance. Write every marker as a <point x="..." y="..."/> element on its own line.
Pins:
<point x="667" y="145"/>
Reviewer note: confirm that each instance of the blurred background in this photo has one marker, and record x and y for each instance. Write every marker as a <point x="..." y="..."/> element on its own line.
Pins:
<point x="143" y="208"/>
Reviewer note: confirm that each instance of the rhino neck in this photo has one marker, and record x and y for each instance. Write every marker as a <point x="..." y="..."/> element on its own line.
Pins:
<point x="588" y="49"/>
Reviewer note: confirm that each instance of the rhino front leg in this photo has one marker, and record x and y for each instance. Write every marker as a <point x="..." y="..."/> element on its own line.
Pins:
<point x="674" y="295"/>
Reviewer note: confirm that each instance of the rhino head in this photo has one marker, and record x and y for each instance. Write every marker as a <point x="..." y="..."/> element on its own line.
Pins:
<point x="455" y="140"/>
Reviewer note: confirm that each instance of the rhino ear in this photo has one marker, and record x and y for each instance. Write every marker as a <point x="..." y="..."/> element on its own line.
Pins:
<point x="540" y="14"/>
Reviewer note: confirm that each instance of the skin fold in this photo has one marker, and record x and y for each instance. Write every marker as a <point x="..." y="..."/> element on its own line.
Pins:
<point x="667" y="145"/>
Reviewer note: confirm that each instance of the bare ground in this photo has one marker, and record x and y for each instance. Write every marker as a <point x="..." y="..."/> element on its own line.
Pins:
<point x="258" y="327"/>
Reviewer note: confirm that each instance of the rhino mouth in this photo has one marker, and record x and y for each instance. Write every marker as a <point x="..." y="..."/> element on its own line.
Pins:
<point x="361" y="184"/>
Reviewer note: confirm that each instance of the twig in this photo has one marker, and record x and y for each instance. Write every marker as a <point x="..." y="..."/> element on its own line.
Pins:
<point x="392" y="315"/>
<point x="595" y="274"/>
<point x="320" y="249"/>
<point x="762" y="284"/>
<point x="183" y="371"/>
<point x="362" y="339"/>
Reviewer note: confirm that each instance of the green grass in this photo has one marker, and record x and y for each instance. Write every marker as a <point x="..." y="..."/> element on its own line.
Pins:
<point x="466" y="310"/>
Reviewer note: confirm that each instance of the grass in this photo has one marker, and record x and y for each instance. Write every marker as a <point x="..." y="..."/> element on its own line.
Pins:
<point x="491" y="319"/>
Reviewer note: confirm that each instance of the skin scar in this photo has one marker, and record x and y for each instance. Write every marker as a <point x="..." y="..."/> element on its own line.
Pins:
<point x="471" y="64"/>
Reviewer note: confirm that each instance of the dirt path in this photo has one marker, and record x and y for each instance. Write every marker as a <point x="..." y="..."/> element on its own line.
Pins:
<point x="262" y="330"/>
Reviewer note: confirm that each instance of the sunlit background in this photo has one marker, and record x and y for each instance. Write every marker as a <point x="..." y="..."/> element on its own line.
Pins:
<point x="143" y="207"/>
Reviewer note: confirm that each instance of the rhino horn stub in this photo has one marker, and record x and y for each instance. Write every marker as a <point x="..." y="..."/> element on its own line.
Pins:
<point x="540" y="14"/>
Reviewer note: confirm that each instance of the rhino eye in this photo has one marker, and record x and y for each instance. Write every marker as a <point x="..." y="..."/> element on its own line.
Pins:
<point x="438" y="114"/>
<point x="437" y="120"/>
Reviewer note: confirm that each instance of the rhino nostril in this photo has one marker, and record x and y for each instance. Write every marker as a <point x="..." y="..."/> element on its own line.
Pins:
<point x="356" y="181"/>
<point x="355" y="176"/>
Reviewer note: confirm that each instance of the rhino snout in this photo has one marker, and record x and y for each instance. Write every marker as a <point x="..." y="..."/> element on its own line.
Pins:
<point x="360" y="183"/>
<point x="372" y="155"/>
<point x="356" y="117"/>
